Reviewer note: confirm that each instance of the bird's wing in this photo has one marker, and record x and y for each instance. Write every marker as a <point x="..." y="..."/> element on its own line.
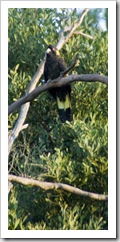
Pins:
<point x="62" y="64"/>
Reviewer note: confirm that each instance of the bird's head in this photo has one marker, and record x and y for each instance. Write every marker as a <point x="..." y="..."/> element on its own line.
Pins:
<point x="52" y="50"/>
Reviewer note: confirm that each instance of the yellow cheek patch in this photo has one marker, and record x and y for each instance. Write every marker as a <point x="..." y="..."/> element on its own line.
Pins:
<point x="57" y="52"/>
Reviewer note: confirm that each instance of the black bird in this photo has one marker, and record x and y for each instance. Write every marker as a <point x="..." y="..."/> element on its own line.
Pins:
<point x="54" y="66"/>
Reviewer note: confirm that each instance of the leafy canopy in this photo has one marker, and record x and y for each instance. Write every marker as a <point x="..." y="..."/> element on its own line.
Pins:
<point x="73" y="153"/>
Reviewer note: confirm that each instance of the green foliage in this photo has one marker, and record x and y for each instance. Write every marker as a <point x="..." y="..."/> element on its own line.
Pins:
<point x="73" y="153"/>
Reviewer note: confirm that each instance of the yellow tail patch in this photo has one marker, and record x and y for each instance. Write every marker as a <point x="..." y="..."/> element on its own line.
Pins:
<point x="64" y="104"/>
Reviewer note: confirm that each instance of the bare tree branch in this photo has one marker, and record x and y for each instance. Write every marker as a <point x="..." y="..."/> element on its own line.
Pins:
<point x="85" y="35"/>
<point x="53" y="186"/>
<point x="61" y="81"/>
<point x="63" y="39"/>
<point x="24" y="109"/>
<point x="75" y="62"/>
<point x="10" y="185"/>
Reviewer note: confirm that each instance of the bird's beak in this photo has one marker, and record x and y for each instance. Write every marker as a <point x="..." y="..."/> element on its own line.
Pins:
<point x="48" y="50"/>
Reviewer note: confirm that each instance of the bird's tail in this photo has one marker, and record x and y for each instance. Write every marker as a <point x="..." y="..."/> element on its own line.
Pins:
<point x="64" y="108"/>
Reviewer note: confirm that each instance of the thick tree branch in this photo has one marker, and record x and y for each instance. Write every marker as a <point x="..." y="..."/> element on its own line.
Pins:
<point x="61" y="81"/>
<point x="24" y="109"/>
<point x="53" y="186"/>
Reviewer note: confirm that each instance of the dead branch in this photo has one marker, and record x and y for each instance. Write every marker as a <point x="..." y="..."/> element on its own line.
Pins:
<point x="63" y="39"/>
<point x="85" y="35"/>
<point x="53" y="186"/>
<point x="61" y="81"/>
<point x="24" y="109"/>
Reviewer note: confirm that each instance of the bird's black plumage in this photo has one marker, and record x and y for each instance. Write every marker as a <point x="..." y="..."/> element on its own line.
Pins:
<point x="54" y="66"/>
